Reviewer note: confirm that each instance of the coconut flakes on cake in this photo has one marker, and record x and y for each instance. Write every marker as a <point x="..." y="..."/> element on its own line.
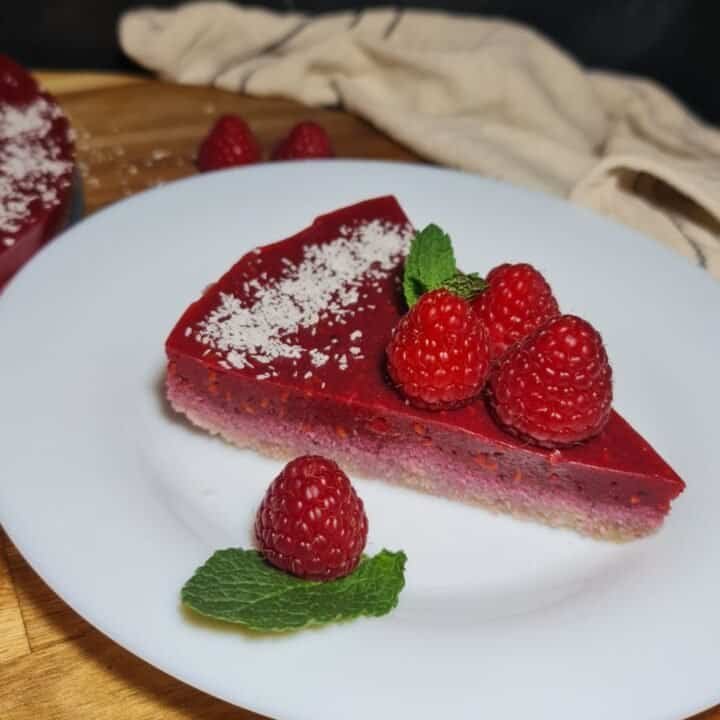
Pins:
<point x="323" y="287"/>
<point x="30" y="164"/>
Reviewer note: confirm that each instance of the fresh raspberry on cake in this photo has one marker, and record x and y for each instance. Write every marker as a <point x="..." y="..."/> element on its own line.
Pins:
<point x="230" y="142"/>
<point x="305" y="141"/>
<point x="516" y="302"/>
<point x="311" y="523"/>
<point x="556" y="387"/>
<point x="438" y="356"/>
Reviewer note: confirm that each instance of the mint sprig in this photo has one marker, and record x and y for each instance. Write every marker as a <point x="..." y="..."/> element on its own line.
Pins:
<point x="238" y="586"/>
<point x="466" y="286"/>
<point x="430" y="265"/>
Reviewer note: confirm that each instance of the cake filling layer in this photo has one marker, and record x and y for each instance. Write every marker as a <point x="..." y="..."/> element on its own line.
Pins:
<point x="417" y="459"/>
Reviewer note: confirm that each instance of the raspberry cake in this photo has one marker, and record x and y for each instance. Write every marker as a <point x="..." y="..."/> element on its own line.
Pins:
<point x="36" y="168"/>
<point x="285" y="355"/>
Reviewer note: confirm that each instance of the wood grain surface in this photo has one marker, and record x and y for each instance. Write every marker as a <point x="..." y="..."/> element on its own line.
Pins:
<point x="132" y="133"/>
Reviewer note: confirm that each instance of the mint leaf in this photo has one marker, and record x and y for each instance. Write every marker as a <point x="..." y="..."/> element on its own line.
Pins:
<point x="429" y="264"/>
<point x="238" y="586"/>
<point x="467" y="287"/>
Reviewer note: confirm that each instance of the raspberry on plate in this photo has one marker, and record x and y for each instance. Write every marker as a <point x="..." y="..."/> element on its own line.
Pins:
<point x="555" y="388"/>
<point x="517" y="301"/>
<point x="230" y="142"/>
<point x="438" y="355"/>
<point x="311" y="523"/>
<point x="306" y="140"/>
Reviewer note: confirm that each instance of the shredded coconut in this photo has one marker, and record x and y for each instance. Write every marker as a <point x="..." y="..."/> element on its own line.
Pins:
<point x="323" y="287"/>
<point x="318" y="358"/>
<point x="31" y="163"/>
<point x="160" y="154"/>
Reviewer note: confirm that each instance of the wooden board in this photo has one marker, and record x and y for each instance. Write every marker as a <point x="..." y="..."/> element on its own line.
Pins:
<point x="132" y="134"/>
<point x="139" y="135"/>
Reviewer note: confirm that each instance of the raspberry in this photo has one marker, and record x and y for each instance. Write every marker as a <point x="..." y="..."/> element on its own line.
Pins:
<point x="311" y="523"/>
<point x="438" y="355"/>
<point x="516" y="302"/>
<point x="230" y="142"/>
<point x="555" y="388"/>
<point x="306" y="140"/>
<point x="16" y="85"/>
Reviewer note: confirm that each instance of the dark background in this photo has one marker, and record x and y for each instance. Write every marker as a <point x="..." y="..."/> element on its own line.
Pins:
<point x="674" y="41"/>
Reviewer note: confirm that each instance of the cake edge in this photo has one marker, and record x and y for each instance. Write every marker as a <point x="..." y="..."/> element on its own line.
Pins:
<point x="599" y="521"/>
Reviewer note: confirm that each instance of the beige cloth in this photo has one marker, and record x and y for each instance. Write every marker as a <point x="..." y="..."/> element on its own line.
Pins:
<point x="488" y="96"/>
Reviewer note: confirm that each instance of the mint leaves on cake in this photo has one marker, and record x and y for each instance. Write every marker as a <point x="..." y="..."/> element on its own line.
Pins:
<point x="430" y="265"/>
<point x="238" y="586"/>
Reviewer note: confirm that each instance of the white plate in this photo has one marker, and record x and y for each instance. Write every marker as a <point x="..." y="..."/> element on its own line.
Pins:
<point x="115" y="502"/>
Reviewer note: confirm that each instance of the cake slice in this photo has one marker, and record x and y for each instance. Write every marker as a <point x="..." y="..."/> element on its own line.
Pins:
<point x="36" y="168"/>
<point x="285" y="355"/>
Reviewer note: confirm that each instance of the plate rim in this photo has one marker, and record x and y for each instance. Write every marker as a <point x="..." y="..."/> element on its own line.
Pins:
<point x="273" y="169"/>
